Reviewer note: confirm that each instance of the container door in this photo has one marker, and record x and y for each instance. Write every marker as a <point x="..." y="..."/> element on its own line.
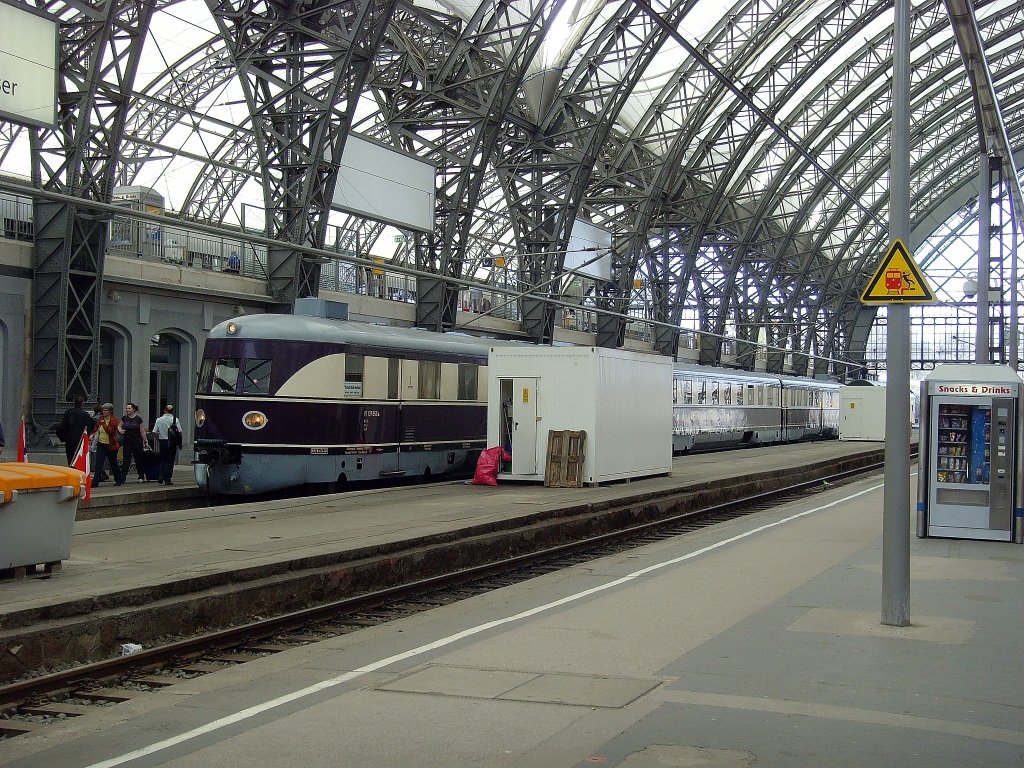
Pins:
<point x="524" y="426"/>
<point x="850" y="427"/>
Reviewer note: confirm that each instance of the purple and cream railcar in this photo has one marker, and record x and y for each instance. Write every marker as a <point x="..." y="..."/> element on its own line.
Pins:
<point x="289" y="400"/>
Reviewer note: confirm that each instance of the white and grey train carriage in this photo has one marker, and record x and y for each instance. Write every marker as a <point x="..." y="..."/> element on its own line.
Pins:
<point x="716" y="408"/>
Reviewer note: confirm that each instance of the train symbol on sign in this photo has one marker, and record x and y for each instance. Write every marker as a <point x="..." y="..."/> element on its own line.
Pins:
<point x="898" y="282"/>
<point x="893" y="280"/>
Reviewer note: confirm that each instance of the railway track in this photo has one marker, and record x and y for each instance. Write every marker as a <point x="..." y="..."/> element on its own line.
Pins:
<point x="28" y="705"/>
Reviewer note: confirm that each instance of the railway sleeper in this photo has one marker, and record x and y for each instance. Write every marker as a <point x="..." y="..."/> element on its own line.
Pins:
<point x="55" y="708"/>
<point x="12" y="728"/>
<point x="108" y="695"/>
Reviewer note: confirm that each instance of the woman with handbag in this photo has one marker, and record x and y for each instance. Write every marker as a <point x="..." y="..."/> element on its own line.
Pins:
<point x="106" y="445"/>
<point x="133" y="442"/>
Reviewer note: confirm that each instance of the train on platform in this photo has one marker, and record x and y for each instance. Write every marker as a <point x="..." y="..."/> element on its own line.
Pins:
<point x="290" y="400"/>
<point x="717" y="408"/>
<point x="302" y="400"/>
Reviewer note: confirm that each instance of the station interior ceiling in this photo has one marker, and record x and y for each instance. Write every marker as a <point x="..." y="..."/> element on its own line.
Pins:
<point x="730" y="163"/>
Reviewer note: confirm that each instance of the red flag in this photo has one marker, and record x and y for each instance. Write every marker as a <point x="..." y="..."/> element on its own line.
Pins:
<point x="81" y="462"/>
<point x="22" y="455"/>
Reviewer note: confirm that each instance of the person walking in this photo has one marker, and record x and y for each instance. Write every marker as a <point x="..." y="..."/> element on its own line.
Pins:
<point x="133" y="442"/>
<point x="75" y="423"/>
<point x="168" y="433"/>
<point x="92" y="441"/>
<point x="107" y="445"/>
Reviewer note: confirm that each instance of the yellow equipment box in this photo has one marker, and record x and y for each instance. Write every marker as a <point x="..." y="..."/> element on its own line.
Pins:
<point x="38" y="503"/>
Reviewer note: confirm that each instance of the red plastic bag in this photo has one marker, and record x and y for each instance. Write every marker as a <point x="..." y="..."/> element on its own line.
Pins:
<point x="487" y="465"/>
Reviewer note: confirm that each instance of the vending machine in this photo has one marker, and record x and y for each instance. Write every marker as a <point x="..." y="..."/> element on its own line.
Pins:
<point x="970" y="469"/>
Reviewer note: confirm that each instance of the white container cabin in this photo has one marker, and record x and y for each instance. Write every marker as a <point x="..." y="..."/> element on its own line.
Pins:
<point x="862" y="411"/>
<point x="621" y="399"/>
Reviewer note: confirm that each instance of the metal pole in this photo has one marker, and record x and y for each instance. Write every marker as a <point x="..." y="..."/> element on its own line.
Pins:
<point x="982" y="347"/>
<point x="1014" y="332"/>
<point x="896" y="496"/>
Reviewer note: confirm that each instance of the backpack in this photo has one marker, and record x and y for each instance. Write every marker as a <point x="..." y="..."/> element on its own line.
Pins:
<point x="174" y="435"/>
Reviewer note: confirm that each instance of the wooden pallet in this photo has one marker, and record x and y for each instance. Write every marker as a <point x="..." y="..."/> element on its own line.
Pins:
<point x="567" y="451"/>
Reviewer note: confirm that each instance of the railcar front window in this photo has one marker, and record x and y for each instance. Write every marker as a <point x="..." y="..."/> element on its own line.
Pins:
<point x="468" y="385"/>
<point x="256" y="380"/>
<point x="688" y="392"/>
<point x="205" y="375"/>
<point x="429" y="380"/>
<point x="353" y="375"/>
<point x="225" y="376"/>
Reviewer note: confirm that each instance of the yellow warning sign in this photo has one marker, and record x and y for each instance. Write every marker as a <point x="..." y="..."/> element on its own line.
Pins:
<point x="898" y="280"/>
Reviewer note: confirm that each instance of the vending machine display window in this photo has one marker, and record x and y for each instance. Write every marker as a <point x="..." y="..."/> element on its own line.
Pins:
<point x="963" y="444"/>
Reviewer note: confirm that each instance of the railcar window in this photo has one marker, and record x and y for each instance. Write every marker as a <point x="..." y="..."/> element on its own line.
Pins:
<point x="714" y="392"/>
<point x="429" y="380"/>
<point x="256" y="380"/>
<point x="688" y="392"/>
<point x="702" y="393"/>
<point x="353" y="375"/>
<point x="739" y="394"/>
<point x="225" y="376"/>
<point x="760" y="394"/>
<point x="205" y="374"/>
<point x="468" y="374"/>
<point x="728" y="394"/>
<point x="394" y="374"/>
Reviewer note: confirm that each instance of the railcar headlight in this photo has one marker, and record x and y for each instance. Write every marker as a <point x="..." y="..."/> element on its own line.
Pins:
<point x="232" y="328"/>
<point x="254" y="420"/>
<point x="200" y="417"/>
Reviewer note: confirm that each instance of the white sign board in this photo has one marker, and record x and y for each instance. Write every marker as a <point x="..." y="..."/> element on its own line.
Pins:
<point x="386" y="185"/>
<point x="28" y="67"/>
<point x="586" y="235"/>
<point x="970" y="389"/>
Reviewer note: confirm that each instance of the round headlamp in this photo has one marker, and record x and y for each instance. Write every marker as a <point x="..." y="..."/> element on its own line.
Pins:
<point x="254" y="420"/>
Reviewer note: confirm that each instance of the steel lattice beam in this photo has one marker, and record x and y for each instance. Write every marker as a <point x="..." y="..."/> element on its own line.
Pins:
<point x="302" y="69"/>
<point x="99" y="47"/>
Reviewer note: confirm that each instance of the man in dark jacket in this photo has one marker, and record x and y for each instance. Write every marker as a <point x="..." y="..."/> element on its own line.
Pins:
<point x="76" y="421"/>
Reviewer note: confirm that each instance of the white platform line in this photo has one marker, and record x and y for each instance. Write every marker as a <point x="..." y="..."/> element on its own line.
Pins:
<point x="375" y="666"/>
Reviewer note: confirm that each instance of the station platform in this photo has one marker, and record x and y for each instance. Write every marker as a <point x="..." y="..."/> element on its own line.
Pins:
<point x="753" y="643"/>
<point x="133" y="578"/>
